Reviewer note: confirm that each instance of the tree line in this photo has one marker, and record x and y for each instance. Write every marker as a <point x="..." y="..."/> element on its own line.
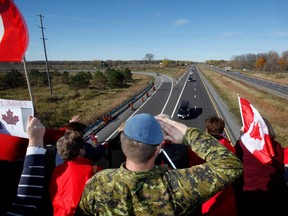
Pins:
<point x="110" y="78"/>
<point x="268" y="62"/>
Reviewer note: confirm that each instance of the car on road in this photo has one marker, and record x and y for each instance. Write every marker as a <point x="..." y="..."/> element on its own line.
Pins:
<point x="190" y="79"/>
<point x="184" y="110"/>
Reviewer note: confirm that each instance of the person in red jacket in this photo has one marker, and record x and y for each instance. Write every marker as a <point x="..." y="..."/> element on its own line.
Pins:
<point x="69" y="179"/>
<point x="224" y="202"/>
<point x="261" y="189"/>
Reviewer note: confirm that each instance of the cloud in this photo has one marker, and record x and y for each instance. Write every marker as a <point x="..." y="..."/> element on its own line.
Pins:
<point x="281" y="34"/>
<point x="180" y="22"/>
<point x="230" y="34"/>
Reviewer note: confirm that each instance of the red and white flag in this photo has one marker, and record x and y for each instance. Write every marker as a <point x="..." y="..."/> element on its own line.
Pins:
<point x="256" y="136"/>
<point x="14" y="35"/>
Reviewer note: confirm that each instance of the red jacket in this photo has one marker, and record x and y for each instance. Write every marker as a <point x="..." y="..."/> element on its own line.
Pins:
<point x="224" y="202"/>
<point x="258" y="176"/>
<point x="285" y="160"/>
<point x="67" y="184"/>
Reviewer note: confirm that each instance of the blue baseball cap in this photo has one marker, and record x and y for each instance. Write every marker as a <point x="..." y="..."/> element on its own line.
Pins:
<point x="144" y="128"/>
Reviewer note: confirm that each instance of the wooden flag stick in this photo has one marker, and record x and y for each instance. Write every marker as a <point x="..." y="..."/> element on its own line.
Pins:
<point x="27" y="79"/>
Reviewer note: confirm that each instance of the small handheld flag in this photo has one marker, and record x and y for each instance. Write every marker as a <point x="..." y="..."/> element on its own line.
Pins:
<point x="256" y="136"/>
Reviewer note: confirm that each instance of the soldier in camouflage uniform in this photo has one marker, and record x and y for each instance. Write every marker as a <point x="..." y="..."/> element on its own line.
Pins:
<point x="139" y="187"/>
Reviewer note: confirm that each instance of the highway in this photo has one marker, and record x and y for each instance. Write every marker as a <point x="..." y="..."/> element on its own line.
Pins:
<point x="166" y="97"/>
<point x="271" y="87"/>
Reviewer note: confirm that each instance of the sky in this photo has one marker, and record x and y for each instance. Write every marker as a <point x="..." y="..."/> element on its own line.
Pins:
<point x="193" y="30"/>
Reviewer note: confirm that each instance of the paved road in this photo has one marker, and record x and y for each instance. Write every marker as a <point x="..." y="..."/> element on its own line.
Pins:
<point x="271" y="87"/>
<point x="166" y="98"/>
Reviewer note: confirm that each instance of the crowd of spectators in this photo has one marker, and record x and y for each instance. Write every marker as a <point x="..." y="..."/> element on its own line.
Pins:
<point x="166" y="168"/>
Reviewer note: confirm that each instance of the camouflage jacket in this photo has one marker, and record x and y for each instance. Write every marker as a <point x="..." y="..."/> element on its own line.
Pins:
<point x="162" y="191"/>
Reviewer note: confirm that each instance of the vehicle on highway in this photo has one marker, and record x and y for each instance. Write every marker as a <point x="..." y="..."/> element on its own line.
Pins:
<point x="190" y="79"/>
<point x="228" y="68"/>
<point x="157" y="74"/>
<point x="184" y="110"/>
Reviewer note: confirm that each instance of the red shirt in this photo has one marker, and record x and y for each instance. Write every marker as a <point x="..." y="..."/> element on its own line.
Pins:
<point x="67" y="184"/>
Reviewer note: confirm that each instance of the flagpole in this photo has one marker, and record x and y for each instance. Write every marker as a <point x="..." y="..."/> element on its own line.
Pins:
<point x="27" y="79"/>
<point x="168" y="158"/>
<point x="240" y="107"/>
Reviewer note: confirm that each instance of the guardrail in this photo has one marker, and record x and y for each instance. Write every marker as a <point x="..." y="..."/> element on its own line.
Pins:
<point x="101" y="123"/>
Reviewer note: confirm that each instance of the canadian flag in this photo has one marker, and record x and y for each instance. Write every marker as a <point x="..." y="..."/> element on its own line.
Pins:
<point x="256" y="136"/>
<point x="14" y="35"/>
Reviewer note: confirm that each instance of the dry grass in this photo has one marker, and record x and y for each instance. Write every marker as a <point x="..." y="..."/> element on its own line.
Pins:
<point x="271" y="107"/>
<point x="92" y="104"/>
<point x="281" y="78"/>
<point x="55" y="110"/>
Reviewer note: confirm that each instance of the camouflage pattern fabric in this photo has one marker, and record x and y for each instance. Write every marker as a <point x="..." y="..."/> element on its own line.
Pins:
<point x="161" y="191"/>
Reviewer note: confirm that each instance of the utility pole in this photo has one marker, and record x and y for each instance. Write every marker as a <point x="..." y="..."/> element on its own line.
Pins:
<point x="46" y="60"/>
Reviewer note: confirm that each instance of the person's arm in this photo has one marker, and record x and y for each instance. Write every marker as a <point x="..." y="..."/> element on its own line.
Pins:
<point x="199" y="141"/>
<point x="94" y="153"/>
<point x="30" y="187"/>
<point x="222" y="167"/>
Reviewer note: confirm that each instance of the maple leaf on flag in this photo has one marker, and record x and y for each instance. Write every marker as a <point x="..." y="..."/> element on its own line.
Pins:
<point x="255" y="133"/>
<point x="9" y="118"/>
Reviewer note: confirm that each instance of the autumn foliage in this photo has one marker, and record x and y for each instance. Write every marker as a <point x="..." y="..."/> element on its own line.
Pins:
<point x="260" y="62"/>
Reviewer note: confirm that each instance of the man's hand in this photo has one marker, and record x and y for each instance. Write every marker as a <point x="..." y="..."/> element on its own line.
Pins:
<point x="75" y="118"/>
<point x="174" y="131"/>
<point x="35" y="131"/>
